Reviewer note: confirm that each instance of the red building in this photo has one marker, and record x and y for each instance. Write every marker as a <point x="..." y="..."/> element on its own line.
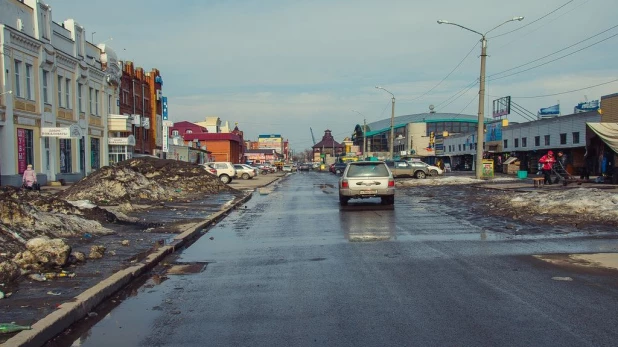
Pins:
<point x="222" y="146"/>
<point x="140" y="96"/>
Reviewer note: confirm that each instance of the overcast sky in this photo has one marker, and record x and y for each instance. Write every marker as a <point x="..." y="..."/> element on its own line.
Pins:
<point x="281" y="67"/>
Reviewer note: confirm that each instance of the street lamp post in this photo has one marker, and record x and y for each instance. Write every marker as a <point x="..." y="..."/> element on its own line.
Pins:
<point x="392" y="137"/>
<point x="481" y="110"/>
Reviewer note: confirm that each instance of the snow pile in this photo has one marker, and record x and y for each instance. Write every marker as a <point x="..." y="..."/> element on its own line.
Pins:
<point x="450" y="180"/>
<point x="598" y="203"/>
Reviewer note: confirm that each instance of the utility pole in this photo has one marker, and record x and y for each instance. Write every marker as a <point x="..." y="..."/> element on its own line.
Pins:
<point x="480" y="131"/>
<point x="392" y="128"/>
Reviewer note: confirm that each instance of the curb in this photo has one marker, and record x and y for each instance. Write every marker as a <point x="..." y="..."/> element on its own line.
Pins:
<point x="70" y="312"/>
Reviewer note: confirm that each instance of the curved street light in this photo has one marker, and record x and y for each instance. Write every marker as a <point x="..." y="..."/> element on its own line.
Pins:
<point x="391" y="144"/>
<point x="481" y="110"/>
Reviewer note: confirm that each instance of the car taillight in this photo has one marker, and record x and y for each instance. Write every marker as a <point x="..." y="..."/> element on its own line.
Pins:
<point x="391" y="182"/>
<point x="344" y="184"/>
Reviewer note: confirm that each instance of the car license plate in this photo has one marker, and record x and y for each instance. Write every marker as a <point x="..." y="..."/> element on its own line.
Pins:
<point x="367" y="192"/>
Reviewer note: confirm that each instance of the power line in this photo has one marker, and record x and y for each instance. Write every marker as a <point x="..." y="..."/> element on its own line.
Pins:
<point x="447" y="76"/>
<point x="556" y="52"/>
<point x="538" y="19"/>
<point x="553" y="60"/>
<point x="457" y="95"/>
<point x="570" y="91"/>
<point x="545" y="23"/>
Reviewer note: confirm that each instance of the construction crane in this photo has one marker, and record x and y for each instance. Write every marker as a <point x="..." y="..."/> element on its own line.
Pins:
<point x="312" y="137"/>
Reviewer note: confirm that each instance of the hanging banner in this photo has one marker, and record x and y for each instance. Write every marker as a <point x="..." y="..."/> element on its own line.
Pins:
<point x="21" y="150"/>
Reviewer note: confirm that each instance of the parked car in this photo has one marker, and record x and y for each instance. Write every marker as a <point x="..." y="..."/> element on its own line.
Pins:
<point x="225" y="170"/>
<point x="337" y="168"/>
<point x="210" y="169"/>
<point x="401" y="168"/>
<point x="433" y="170"/>
<point x="366" y="179"/>
<point x="305" y="167"/>
<point x="245" y="171"/>
<point x="286" y="168"/>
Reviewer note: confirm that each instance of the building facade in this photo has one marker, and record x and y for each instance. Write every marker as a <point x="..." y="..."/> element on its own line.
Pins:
<point x="56" y="95"/>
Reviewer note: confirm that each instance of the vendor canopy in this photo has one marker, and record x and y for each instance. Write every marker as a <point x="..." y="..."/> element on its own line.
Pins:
<point x="608" y="132"/>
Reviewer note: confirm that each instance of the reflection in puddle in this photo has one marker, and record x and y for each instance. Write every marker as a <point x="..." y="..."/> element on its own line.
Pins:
<point x="368" y="226"/>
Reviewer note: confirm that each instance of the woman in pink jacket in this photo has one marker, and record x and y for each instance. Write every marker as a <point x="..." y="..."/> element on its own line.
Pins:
<point x="547" y="161"/>
<point x="29" y="178"/>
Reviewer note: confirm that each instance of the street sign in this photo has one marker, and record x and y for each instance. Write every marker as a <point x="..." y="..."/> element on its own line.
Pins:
<point x="164" y="107"/>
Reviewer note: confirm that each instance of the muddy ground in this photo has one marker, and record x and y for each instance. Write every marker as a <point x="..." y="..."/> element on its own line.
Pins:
<point x="31" y="300"/>
<point x="130" y="208"/>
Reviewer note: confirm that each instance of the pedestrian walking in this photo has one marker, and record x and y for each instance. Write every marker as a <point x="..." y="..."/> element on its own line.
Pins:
<point x="29" y="177"/>
<point x="547" y="161"/>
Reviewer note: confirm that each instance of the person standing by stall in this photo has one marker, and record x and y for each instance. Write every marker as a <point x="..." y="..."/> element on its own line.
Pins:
<point x="547" y="161"/>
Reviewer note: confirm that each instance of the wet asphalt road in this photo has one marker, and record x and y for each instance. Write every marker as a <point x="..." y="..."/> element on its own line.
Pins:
<point x="292" y="269"/>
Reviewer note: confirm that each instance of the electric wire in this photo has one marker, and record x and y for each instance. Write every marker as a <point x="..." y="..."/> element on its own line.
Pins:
<point x="556" y="52"/>
<point x="447" y="76"/>
<point x="457" y="95"/>
<point x="534" y="21"/>
<point x="554" y="94"/>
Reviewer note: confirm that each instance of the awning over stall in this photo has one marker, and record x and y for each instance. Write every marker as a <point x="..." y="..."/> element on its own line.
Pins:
<point x="608" y="132"/>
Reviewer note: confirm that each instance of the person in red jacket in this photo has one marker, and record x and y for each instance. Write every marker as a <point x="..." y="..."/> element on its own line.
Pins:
<point x="547" y="161"/>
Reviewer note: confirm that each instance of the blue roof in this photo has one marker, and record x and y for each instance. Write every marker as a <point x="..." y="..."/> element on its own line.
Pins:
<point x="401" y="121"/>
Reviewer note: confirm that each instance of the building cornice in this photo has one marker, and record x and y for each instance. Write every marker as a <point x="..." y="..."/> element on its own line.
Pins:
<point x="66" y="60"/>
<point x="27" y="43"/>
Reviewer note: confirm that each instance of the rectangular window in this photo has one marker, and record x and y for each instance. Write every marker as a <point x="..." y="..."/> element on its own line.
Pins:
<point x="537" y="141"/>
<point x="563" y="139"/>
<point x="547" y="140"/>
<point x="109" y="104"/>
<point x="80" y="100"/>
<point x="524" y="142"/>
<point x="91" y="97"/>
<point x="575" y="137"/>
<point x="29" y="91"/>
<point x="67" y="93"/>
<point x="506" y="143"/>
<point x="95" y="154"/>
<point x="45" y="87"/>
<point x="59" y="91"/>
<point x="516" y="143"/>
<point x="66" y="165"/>
<point x="17" y="79"/>
<point x="96" y="102"/>
<point x="460" y="147"/>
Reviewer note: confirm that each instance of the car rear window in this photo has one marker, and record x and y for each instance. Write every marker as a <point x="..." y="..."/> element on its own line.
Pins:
<point x="368" y="170"/>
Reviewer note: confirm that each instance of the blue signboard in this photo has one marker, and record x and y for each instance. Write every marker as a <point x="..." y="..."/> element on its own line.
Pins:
<point x="164" y="107"/>
<point x="549" y="110"/>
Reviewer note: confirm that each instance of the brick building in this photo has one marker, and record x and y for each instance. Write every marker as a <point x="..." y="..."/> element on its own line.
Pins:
<point x="140" y="98"/>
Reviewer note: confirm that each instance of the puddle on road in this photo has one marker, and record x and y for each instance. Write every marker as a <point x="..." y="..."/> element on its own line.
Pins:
<point x="187" y="268"/>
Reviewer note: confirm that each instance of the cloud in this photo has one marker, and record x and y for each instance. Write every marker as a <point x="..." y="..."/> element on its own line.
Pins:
<point x="279" y="66"/>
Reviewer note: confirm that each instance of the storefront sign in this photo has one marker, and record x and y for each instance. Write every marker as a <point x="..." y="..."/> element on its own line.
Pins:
<point x="121" y="141"/>
<point x="55" y="132"/>
<point x="73" y="131"/>
<point x="164" y="107"/>
<point x="95" y="132"/>
<point x="166" y="146"/>
<point x="21" y="150"/>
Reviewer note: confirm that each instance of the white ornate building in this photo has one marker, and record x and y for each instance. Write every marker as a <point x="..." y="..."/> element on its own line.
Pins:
<point x="56" y="93"/>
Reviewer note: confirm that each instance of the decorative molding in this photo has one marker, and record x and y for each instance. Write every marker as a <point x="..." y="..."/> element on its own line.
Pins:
<point x="96" y="74"/>
<point x="25" y="42"/>
<point x="67" y="61"/>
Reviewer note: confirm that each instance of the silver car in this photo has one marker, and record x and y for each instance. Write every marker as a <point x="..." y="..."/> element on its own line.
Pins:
<point x="367" y="179"/>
